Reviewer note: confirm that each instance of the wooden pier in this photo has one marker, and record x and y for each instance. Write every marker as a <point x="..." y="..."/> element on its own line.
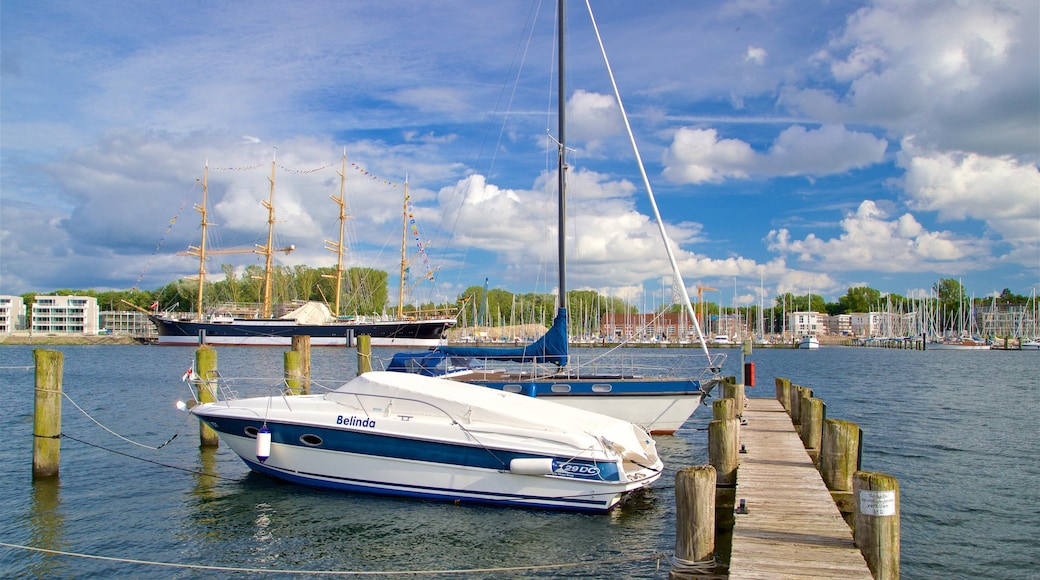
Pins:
<point x="792" y="527"/>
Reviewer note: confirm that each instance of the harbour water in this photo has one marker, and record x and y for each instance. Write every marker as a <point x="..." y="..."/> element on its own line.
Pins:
<point x="958" y="429"/>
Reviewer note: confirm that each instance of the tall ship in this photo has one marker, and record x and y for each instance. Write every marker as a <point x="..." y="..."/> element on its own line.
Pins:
<point x="324" y="326"/>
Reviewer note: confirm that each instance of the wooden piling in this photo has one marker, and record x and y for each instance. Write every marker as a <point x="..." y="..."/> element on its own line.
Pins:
<point x="735" y="391"/>
<point x="723" y="450"/>
<point x="840" y="450"/>
<point x="722" y="409"/>
<point x="798" y="395"/>
<point x="813" y="412"/>
<point x="302" y="345"/>
<point x="205" y="367"/>
<point x="783" y="393"/>
<point x="876" y="532"/>
<point x="364" y="354"/>
<point x="294" y="378"/>
<point x="50" y="366"/>
<point x="694" y="520"/>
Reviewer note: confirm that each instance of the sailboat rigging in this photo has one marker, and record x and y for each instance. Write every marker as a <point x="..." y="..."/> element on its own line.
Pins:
<point x="311" y="319"/>
<point x="660" y="404"/>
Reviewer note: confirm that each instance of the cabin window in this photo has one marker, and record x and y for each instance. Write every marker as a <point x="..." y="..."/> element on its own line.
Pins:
<point x="561" y="388"/>
<point x="251" y="431"/>
<point x="602" y="388"/>
<point x="309" y="439"/>
<point x="513" y="389"/>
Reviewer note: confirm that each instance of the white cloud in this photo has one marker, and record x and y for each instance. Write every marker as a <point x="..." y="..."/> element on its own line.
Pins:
<point x="755" y="55"/>
<point x="959" y="75"/>
<point x="698" y="155"/>
<point x="870" y="241"/>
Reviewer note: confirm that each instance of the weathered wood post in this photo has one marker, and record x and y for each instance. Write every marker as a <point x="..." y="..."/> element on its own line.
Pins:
<point x="294" y="378"/>
<point x="876" y="532"/>
<point x="813" y="412"/>
<point x="840" y="451"/>
<point x="694" y="522"/>
<point x="722" y="409"/>
<point x="364" y="354"/>
<point x="735" y="391"/>
<point x="723" y="446"/>
<point x="302" y="345"/>
<point x="205" y="364"/>
<point x="50" y="365"/>
<point x="797" y="396"/>
<point x="783" y="393"/>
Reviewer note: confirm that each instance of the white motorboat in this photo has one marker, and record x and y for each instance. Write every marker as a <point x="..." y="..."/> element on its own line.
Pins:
<point x="422" y="437"/>
<point x="809" y="342"/>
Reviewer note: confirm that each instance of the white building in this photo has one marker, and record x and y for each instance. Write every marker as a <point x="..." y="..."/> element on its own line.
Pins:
<point x="803" y="323"/>
<point x="865" y="324"/>
<point x="12" y="314"/>
<point x="65" y="315"/>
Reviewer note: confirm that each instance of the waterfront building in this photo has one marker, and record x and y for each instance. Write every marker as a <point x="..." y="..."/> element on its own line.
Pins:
<point x="12" y="314"/>
<point x="64" y="315"/>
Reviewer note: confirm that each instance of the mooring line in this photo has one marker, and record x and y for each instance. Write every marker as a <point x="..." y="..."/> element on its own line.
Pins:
<point x="654" y="556"/>
<point x="159" y="463"/>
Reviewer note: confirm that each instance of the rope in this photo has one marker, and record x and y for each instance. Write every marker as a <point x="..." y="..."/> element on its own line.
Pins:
<point x="655" y="556"/>
<point x="682" y="566"/>
<point x="159" y="463"/>
<point x="98" y="423"/>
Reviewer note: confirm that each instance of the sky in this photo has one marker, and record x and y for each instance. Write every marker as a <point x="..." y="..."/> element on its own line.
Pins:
<point x="790" y="146"/>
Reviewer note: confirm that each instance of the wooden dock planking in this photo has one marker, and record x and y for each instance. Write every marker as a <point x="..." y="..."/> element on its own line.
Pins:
<point x="793" y="528"/>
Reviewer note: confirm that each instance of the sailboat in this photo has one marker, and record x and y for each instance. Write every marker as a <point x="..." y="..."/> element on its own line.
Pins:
<point x="541" y="369"/>
<point x="313" y="319"/>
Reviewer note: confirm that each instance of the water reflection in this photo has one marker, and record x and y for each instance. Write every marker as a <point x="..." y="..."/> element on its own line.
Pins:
<point x="46" y="528"/>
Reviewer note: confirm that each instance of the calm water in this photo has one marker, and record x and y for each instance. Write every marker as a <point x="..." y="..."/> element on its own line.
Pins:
<point x="958" y="429"/>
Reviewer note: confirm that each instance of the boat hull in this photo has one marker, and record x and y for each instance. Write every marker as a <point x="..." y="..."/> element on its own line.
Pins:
<point x="279" y="332"/>
<point x="659" y="406"/>
<point x="444" y="441"/>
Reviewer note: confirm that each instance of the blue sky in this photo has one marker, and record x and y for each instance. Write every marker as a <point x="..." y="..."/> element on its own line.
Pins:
<point x="791" y="146"/>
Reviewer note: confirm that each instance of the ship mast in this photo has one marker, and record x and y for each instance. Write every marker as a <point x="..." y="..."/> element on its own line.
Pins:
<point x="201" y="250"/>
<point x="267" y="251"/>
<point x="338" y="246"/>
<point x="404" y="258"/>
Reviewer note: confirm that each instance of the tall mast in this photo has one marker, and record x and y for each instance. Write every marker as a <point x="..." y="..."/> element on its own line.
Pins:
<point x="268" y="250"/>
<point x="561" y="106"/>
<point x="404" y="259"/>
<point x="338" y="246"/>
<point x="201" y="250"/>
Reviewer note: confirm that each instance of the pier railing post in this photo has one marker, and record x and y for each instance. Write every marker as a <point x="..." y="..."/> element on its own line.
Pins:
<point x="735" y="391"/>
<point x="302" y="345"/>
<point x="364" y="354"/>
<point x="50" y="365"/>
<point x="783" y="393"/>
<point x="840" y="450"/>
<point x="293" y="362"/>
<point x="876" y="532"/>
<point x="813" y="412"/>
<point x="205" y="364"/>
<point x="694" y="522"/>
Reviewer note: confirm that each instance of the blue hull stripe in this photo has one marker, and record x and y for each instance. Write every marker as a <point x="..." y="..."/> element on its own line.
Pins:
<point x="382" y="445"/>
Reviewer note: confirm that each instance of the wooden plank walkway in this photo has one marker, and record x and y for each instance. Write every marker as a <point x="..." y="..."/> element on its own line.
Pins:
<point x="792" y="528"/>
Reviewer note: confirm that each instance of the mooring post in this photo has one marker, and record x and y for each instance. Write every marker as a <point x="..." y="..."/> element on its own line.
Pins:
<point x="723" y="445"/>
<point x="694" y="522"/>
<point x="50" y="365"/>
<point x="876" y="532"/>
<point x="735" y="391"/>
<point x="724" y="408"/>
<point x="364" y="354"/>
<point x="813" y="412"/>
<point x="783" y="393"/>
<point x="799" y="395"/>
<point x="840" y="450"/>
<point x="205" y="365"/>
<point x="294" y="379"/>
<point x="302" y="345"/>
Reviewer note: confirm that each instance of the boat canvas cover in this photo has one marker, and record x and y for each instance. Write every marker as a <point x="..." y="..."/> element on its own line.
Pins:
<point x="478" y="404"/>
<point x="310" y="313"/>
<point x="550" y="348"/>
